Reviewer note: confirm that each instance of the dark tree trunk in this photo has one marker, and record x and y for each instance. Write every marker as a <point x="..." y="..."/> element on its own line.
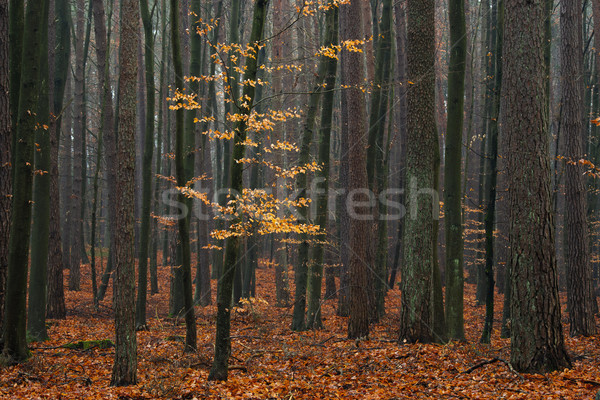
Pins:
<point x="181" y="174"/>
<point x="313" y="317"/>
<point x="5" y="153"/>
<point x="537" y="342"/>
<point x="452" y="172"/>
<point x="219" y="369"/>
<point x="78" y="133"/>
<point x="416" y="315"/>
<point x="351" y="24"/>
<point x="577" y="254"/>
<point x="125" y="365"/>
<point x="36" y="305"/>
<point x="60" y="47"/>
<point x="15" y="340"/>
<point x="140" y="311"/>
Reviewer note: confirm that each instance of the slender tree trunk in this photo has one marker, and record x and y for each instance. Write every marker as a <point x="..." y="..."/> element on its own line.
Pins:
<point x="65" y="163"/>
<point x="452" y="172"/>
<point x="5" y="153"/>
<point x="125" y="365"/>
<point x="108" y="128"/>
<point x="344" y="172"/>
<point x="491" y="168"/>
<point x="140" y="311"/>
<point x="61" y="50"/>
<point x="36" y="311"/>
<point x="159" y="161"/>
<point x="15" y="341"/>
<point x="301" y="270"/>
<point x="596" y="153"/>
<point x="313" y="318"/>
<point x="351" y="24"/>
<point x="15" y="36"/>
<point x="537" y="342"/>
<point x="182" y="177"/>
<point x="219" y="369"/>
<point x="78" y="133"/>
<point x="377" y="152"/>
<point x="579" y="273"/>
<point x="400" y="12"/>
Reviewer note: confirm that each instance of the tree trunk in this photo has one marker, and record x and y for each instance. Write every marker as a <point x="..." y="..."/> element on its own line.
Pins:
<point x="61" y="49"/>
<point x="301" y="270"/>
<point x="452" y="172"/>
<point x="537" y="343"/>
<point x="182" y="178"/>
<point x="140" y="311"/>
<point x="313" y="318"/>
<point x="351" y="24"/>
<point x="579" y="274"/>
<point x="36" y="305"/>
<point x="219" y="369"/>
<point x="78" y="133"/>
<point x="125" y="365"/>
<point x="400" y="12"/>
<point x="491" y="167"/>
<point x="5" y="154"/>
<point x="416" y="315"/>
<point x="15" y="340"/>
<point x="377" y="152"/>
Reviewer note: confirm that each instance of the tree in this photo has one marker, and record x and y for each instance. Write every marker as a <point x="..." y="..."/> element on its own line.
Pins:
<point x="313" y="319"/>
<point x="490" y="164"/>
<point x="537" y="342"/>
<point x="36" y="311"/>
<point x="109" y="139"/>
<point x="416" y="314"/>
<point x="78" y="134"/>
<point x="125" y="365"/>
<point x="5" y="154"/>
<point x="377" y="151"/>
<point x="351" y="25"/>
<point x="452" y="171"/>
<point x="15" y="341"/>
<point x="61" y="49"/>
<point x="219" y="369"/>
<point x="579" y="273"/>
<point x="182" y="177"/>
<point x="140" y="311"/>
<point x="302" y="265"/>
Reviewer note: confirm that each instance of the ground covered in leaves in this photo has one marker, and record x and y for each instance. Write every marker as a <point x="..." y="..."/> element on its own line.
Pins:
<point x="269" y="361"/>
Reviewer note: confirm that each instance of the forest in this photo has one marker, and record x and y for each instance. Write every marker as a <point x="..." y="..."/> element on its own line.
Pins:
<point x="285" y="199"/>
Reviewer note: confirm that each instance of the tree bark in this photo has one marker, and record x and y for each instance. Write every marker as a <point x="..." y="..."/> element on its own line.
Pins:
<point x="452" y="172"/>
<point x="15" y="340"/>
<point x="36" y="305"/>
<point x="78" y="133"/>
<point x="351" y="24"/>
<point x="416" y="314"/>
<point x="125" y="365"/>
<point x="61" y="49"/>
<point x="313" y="318"/>
<point x="219" y="369"/>
<point x="5" y="153"/>
<point x="537" y="342"/>
<point x="140" y="311"/>
<point x="579" y="273"/>
<point x="181" y="174"/>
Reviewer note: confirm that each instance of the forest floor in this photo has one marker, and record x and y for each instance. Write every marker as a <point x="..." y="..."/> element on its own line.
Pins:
<point x="269" y="361"/>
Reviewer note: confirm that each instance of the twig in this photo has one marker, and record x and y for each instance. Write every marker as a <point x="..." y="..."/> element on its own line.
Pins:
<point x="491" y="361"/>
<point x="588" y="381"/>
<point x="321" y="343"/>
